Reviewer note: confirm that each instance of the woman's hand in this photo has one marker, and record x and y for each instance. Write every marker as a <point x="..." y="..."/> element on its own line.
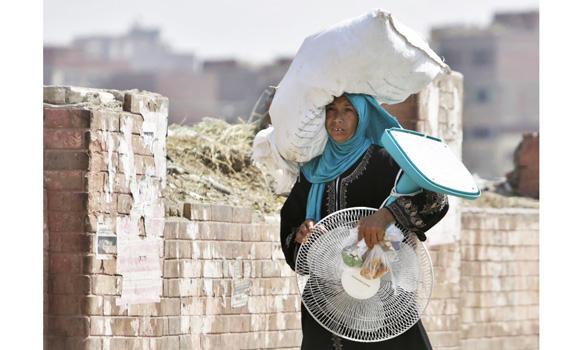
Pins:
<point x="304" y="231"/>
<point x="372" y="227"/>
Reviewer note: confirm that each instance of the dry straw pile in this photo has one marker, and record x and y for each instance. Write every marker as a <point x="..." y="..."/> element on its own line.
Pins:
<point x="210" y="162"/>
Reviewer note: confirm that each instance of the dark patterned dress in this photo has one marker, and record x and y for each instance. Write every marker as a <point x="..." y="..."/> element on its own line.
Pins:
<point x="367" y="183"/>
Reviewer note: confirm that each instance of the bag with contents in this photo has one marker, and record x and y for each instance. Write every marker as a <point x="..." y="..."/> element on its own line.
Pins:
<point x="394" y="235"/>
<point x="376" y="262"/>
<point x="353" y="255"/>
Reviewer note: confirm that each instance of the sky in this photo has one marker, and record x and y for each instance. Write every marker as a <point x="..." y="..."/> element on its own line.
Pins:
<point x="251" y="30"/>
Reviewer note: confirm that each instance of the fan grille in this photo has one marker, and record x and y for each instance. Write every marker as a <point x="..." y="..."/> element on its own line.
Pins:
<point x="390" y="312"/>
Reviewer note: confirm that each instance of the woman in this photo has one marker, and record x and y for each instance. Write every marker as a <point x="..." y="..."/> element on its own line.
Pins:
<point x="355" y="171"/>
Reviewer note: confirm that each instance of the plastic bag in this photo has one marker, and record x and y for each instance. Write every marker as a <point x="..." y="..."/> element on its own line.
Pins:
<point x="353" y="255"/>
<point x="376" y="262"/>
<point x="394" y="235"/>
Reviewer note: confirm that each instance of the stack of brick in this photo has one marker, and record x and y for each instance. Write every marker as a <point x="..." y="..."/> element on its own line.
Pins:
<point x="500" y="279"/>
<point x="225" y="267"/>
<point x="525" y="178"/>
<point x="104" y="169"/>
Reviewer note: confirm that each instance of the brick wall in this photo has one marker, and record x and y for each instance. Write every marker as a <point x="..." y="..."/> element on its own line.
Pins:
<point x="218" y="278"/>
<point x="485" y="294"/>
<point x="500" y="279"/>
<point x="209" y="256"/>
<point x="525" y="178"/>
<point x="104" y="170"/>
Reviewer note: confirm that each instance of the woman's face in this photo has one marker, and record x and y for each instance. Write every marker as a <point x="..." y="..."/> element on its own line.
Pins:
<point x="341" y="119"/>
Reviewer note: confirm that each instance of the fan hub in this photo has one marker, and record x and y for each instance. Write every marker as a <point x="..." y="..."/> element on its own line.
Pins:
<point x="357" y="286"/>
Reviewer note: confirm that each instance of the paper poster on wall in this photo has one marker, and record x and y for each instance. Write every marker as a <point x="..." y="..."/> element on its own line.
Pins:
<point x="106" y="241"/>
<point x="240" y="287"/>
<point x="138" y="262"/>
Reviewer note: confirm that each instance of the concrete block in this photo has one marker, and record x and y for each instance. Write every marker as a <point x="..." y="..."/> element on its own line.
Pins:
<point x="152" y="326"/>
<point x="197" y="211"/>
<point x="106" y="285"/>
<point x="221" y="213"/>
<point x="242" y="215"/>
<point x="55" y="95"/>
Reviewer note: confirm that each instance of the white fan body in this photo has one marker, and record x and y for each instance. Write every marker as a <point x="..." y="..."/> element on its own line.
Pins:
<point x="349" y="305"/>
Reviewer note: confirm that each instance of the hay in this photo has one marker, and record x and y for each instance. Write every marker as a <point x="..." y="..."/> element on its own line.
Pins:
<point x="211" y="163"/>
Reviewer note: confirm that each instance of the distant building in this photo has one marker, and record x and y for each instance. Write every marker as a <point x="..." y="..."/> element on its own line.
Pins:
<point x="139" y="59"/>
<point x="240" y="85"/>
<point x="500" y="65"/>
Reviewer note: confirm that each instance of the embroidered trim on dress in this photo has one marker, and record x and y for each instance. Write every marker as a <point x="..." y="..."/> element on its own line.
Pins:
<point x="330" y="197"/>
<point x="290" y="237"/>
<point x="358" y="171"/>
<point x="434" y="201"/>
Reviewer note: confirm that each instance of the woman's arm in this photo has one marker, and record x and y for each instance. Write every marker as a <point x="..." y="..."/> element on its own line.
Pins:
<point x="416" y="213"/>
<point x="420" y="212"/>
<point x="292" y="216"/>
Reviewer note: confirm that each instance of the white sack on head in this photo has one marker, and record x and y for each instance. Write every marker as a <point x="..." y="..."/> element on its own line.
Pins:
<point x="267" y="157"/>
<point x="372" y="54"/>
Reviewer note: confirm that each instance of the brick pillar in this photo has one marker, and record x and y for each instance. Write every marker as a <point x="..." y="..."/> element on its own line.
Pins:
<point x="437" y="111"/>
<point x="525" y="178"/>
<point x="104" y="170"/>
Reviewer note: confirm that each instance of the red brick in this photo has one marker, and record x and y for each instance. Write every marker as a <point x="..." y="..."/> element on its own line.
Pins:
<point x="125" y="203"/>
<point x="141" y="164"/>
<point x="68" y="284"/>
<point x="136" y="122"/>
<point x="66" y="160"/>
<point x="103" y="284"/>
<point x="139" y="146"/>
<point x="110" y="307"/>
<point x="68" y="326"/>
<point x="52" y="342"/>
<point x="64" y="138"/>
<point x="67" y="201"/>
<point x="105" y="120"/>
<point x="119" y="184"/>
<point x="92" y="305"/>
<point x="65" y="263"/>
<point x="44" y="218"/>
<point x="64" y="304"/>
<point x="128" y="326"/>
<point x="66" y="118"/>
<point x="95" y="181"/>
<point x="73" y="343"/>
<point x="70" y="242"/>
<point x="65" y="221"/>
<point x="92" y="220"/>
<point x="92" y="265"/>
<point x="80" y="118"/>
<point x="64" y="180"/>
<point x="102" y="141"/>
<point x="99" y="161"/>
<point x="56" y="118"/>
<point x="97" y="202"/>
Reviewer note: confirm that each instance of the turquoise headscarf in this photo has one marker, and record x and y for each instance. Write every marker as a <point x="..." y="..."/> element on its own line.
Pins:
<point x="339" y="157"/>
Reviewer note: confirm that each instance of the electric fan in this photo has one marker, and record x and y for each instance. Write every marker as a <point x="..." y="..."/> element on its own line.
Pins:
<point x="349" y="305"/>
